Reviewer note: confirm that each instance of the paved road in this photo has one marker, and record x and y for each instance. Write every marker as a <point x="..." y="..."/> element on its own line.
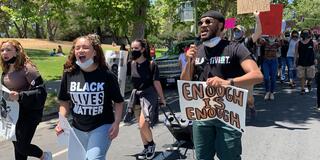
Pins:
<point x="286" y="129"/>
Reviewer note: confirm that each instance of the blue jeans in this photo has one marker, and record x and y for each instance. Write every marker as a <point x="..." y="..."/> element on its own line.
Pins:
<point x="270" y="67"/>
<point x="284" y="64"/>
<point x="292" y="70"/>
<point x="95" y="142"/>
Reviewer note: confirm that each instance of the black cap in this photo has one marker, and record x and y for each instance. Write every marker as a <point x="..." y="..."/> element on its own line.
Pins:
<point x="216" y="15"/>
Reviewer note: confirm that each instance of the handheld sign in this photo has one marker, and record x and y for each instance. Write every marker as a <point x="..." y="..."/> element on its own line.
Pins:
<point x="199" y="102"/>
<point x="9" y="114"/>
<point x="230" y="23"/>
<point x="117" y="62"/>
<point x="272" y="21"/>
<point x="250" y="6"/>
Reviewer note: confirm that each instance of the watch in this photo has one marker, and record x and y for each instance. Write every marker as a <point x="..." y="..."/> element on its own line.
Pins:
<point x="231" y="82"/>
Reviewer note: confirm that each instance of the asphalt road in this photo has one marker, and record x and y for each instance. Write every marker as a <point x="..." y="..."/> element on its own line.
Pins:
<point x="287" y="128"/>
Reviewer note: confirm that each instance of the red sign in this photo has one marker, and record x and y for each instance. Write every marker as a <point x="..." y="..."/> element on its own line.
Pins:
<point x="271" y="21"/>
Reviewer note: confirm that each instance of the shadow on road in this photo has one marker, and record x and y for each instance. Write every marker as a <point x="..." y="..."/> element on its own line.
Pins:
<point x="289" y="107"/>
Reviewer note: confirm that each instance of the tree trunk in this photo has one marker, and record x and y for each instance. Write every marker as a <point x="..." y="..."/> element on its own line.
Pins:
<point x="6" y="30"/>
<point x="225" y="8"/>
<point x="140" y="23"/>
<point x="38" y="31"/>
<point x="51" y="29"/>
<point x="18" y="29"/>
<point x="25" y="28"/>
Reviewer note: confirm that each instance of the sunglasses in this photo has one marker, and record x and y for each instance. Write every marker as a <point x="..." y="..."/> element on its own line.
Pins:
<point x="207" y="22"/>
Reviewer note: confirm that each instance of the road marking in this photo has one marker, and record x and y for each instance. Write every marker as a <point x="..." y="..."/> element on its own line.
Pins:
<point x="60" y="153"/>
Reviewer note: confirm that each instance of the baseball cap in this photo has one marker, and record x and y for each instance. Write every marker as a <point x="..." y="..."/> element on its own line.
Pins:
<point x="214" y="14"/>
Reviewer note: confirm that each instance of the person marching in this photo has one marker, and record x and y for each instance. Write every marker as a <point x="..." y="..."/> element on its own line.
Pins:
<point x="144" y="97"/>
<point x="239" y="36"/>
<point x="90" y="91"/>
<point x="237" y="68"/>
<point x="305" y="59"/>
<point x="22" y="77"/>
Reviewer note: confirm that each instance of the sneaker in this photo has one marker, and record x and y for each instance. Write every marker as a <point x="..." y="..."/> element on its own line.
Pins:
<point x="151" y="151"/>
<point x="309" y="87"/>
<point x="47" y="156"/>
<point x="267" y="96"/>
<point x="302" y="92"/>
<point x="142" y="155"/>
<point x="271" y="96"/>
<point x="292" y="85"/>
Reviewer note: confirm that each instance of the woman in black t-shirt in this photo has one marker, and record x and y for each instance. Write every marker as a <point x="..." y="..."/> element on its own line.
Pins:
<point x="88" y="90"/>
<point x="144" y="97"/>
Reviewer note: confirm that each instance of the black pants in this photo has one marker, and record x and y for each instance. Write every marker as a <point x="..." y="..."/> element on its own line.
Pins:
<point x="318" y="88"/>
<point x="23" y="148"/>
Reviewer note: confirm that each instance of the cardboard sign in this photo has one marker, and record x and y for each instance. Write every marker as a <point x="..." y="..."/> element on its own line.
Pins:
<point x="271" y="21"/>
<point x="69" y="138"/>
<point x="230" y="23"/>
<point x="117" y="62"/>
<point x="250" y="6"/>
<point x="9" y="114"/>
<point x="199" y="102"/>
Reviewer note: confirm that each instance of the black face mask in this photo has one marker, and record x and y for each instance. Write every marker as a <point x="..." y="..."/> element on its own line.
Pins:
<point x="11" y="61"/>
<point x="304" y="35"/>
<point x="136" y="54"/>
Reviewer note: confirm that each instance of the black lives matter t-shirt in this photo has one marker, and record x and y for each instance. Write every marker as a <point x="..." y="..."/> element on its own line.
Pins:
<point x="91" y="94"/>
<point x="223" y="60"/>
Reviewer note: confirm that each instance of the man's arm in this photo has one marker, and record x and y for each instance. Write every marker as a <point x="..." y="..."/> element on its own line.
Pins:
<point x="188" y="70"/>
<point x="256" y="35"/>
<point x="253" y="74"/>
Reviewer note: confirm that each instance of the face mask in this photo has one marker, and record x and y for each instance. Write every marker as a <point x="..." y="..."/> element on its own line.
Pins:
<point x="85" y="64"/>
<point x="272" y="40"/>
<point x="136" y="54"/>
<point x="212" y="42"/>
<point x="11" y="61"/>
<point x="305" y="35"/>
<point x="237" y="35"/>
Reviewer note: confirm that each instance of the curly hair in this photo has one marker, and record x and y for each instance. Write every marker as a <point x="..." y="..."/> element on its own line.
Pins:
<point x="22" y="57"/>
<point x="99" y="59"/>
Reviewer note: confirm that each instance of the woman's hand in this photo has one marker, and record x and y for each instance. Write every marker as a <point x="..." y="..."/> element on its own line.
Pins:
<point x="58" y="129"/>
<point x="114" y="130"/>
<point x="14" y="96"/>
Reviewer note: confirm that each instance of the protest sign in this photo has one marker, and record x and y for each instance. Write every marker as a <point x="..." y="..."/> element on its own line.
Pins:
<point x="250" y="6"/>
<point x="69" y="138"/>
<point x="271" y="21"/>
<point x="230" y="23"/>
<point x="9" y="115"/>
<point x="117" y="62"/>
<point x="199" y="102"/>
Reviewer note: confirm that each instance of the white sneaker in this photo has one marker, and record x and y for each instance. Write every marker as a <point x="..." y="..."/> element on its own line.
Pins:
<point x="47" y="156"/>
<point x="267" y="96"/>
<point x="271" y="96"/>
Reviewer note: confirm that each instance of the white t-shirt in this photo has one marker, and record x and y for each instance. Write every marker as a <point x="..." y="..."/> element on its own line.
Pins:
<point x="292" y="47"/>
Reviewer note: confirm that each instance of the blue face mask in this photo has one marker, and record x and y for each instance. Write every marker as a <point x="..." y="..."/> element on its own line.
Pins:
<point x="212" y="42"/>
<point x="237" y="35"/>
<point x="85" y="64"/>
